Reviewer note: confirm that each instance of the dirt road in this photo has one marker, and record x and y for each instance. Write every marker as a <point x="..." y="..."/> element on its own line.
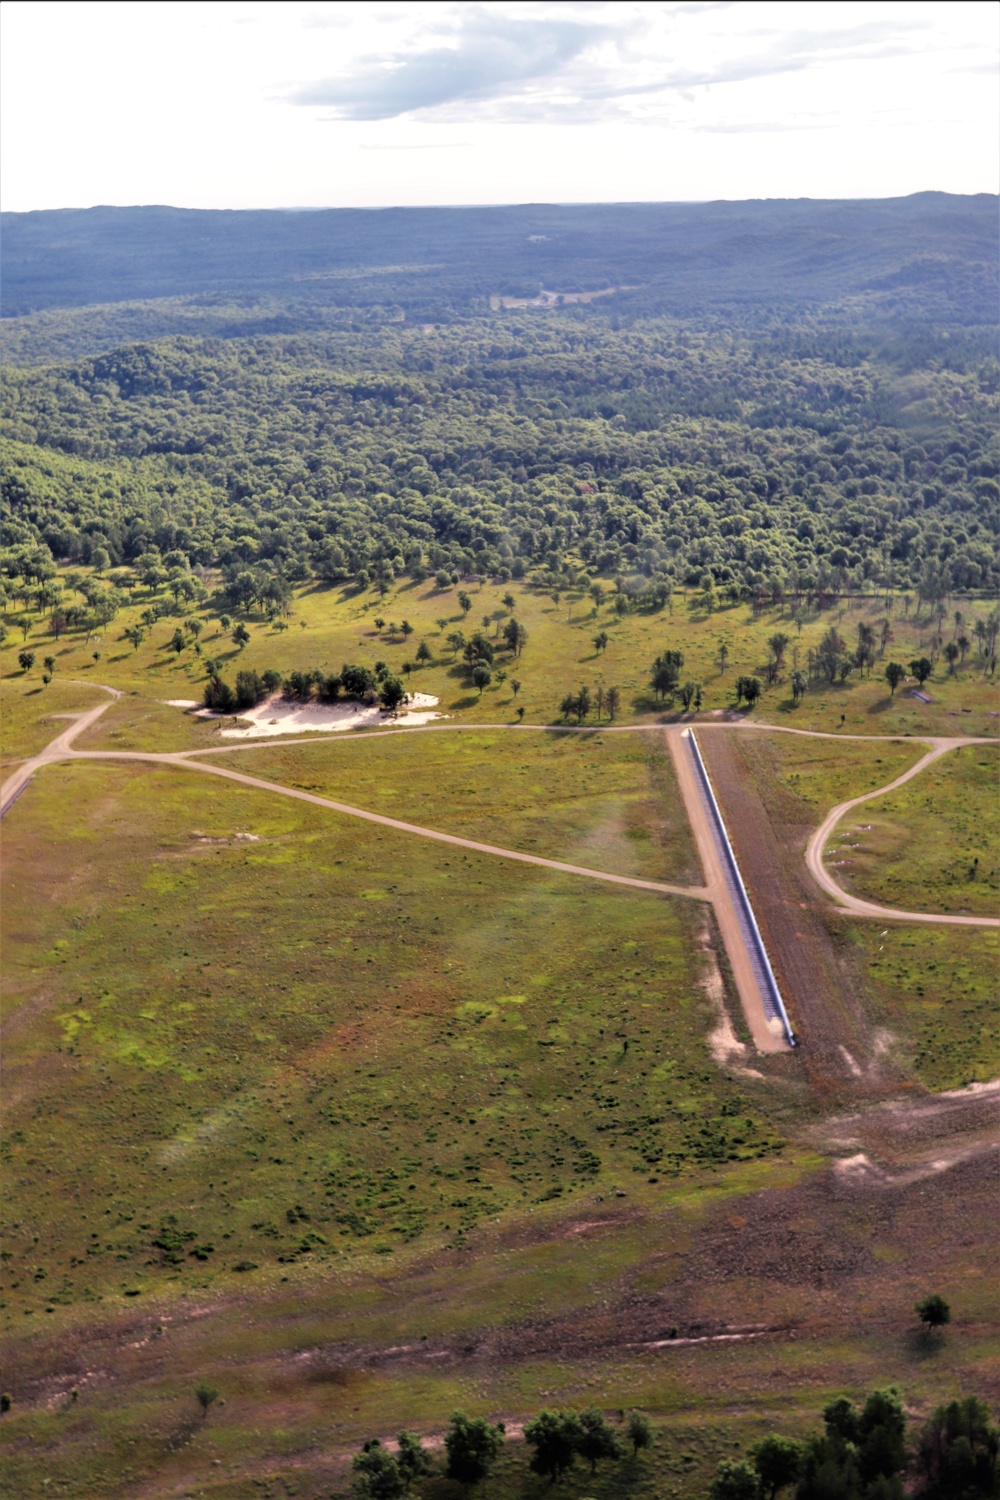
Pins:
<point x="752" y="999"/>
<point x="819" y="872"/>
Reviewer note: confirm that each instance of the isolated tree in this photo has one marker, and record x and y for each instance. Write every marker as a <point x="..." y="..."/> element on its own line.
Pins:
<point x="442" y="579"/>
<point x="687" y="693"/>
<point x="599" y="700"/>
<point x="723" y="656"/>
<point x="509" y="601"/>
<point x="379" y="624"/>
<point x="894" y="674"/>
<point x="963" y="643"/>
<point x="520" y="712"/>
<point x="26" y="660"/>
<point x="205" y="1394"/>
<point x="456" y="641"/>
<point x="735" y="1479"/>
<point x="57" y="623"/>
<point x="777" y="643"/>
<point x="99" y="560"/>
<point x="392" y="693"/>
<point x="193" y="627"/>
<point x="515" y="685"/>
<point x="597" y="1439"/>
<point x="832" y="654"/>
<point x="423" y="652"/>
<point x="464" y="602"/>
<point x="666" y="671"/>
<point x="473" y="1445"/>
<point x="601" y="641"/>
<point x="225" y="621"/>
<point x="800" y="685"/>
<point x="640" y="1431"/>
<point x="933" y="1312"/>
<point x="952" y="653"/>
<point x="613" y="700"/>
<point x="481" y="676"/>
<point x="379" y="1474"/>
<point x="24" y="623"/>
<point x="596" y="592"/>
<point x="777" y="1461"/>
<point x="49" y="663"/>
<point x="582" y="705"/>
<point x="241" y="636"/>
<point x="921" y="668"/>
<point x="407" y="629"/>
<point x="555" y="1437"/>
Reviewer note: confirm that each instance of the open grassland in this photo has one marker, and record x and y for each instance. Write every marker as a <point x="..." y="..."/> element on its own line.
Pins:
<point x="610" y="802"/>
<point x="934" y="991"/>
<point x="824" y="1270"/>
<point x="821" y="773"/>
<point x="29" y="714"/>
<point x="329" y="625"/>
<point x="361" y="1129"/>
<point x="240" y="1034"/>
<point x="931" y="845"/>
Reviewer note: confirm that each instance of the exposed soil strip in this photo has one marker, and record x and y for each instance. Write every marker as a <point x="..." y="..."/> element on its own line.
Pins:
<point x="822" y="989"/>
<point x="767" y="985"/>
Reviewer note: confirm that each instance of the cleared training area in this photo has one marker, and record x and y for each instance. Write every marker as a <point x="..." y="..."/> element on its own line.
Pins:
<point x="774" y="1006"/>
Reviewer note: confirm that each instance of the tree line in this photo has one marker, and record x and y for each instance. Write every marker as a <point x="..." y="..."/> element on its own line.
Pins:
<point x="765" y="464"/>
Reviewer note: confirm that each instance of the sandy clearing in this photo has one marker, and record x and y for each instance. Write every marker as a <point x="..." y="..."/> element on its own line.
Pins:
<point x="281" y="716"/>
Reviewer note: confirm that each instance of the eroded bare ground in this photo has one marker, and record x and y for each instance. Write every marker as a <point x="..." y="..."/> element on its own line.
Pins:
<point x="769" y="829"/>
<point x="829" y="1251"/>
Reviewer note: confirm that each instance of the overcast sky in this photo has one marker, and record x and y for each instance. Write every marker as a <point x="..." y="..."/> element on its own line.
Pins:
<point x="238" y="105"/>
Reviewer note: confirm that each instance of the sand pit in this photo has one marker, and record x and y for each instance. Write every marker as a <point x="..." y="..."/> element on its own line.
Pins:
<point x="278" y="716"/>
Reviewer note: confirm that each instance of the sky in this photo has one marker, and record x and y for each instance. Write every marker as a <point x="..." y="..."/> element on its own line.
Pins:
<point x="262" y="105"/>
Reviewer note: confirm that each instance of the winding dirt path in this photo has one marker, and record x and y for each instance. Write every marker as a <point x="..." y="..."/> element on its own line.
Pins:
<point x="854" y="904"/>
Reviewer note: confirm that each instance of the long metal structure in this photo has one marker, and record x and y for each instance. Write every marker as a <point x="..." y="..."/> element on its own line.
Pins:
<point x="770" y="993"/>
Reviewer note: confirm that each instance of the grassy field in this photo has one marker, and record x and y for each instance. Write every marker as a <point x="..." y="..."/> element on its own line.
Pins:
<point x="931" y="845"/>
<point x="934" y="990"/>
<point x="357" y="1040"/>
<point x="29" y="714"/>
<point x="330" y="625"/>
<point x="362" y="1129"/>
<point x="610" y="802"/>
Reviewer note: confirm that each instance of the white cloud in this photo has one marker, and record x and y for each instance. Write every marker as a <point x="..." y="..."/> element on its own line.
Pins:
<point x="260" y="103"/>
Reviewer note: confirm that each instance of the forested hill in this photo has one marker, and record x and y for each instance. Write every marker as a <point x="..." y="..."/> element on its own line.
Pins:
<point x="534" y="444"/>
<point x="930" y="256"/>
<point x="794" y="396"/>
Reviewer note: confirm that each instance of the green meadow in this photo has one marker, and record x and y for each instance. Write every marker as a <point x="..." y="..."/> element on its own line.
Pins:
<point x="610" y="802"/>
<point x="931" y="845"/>
<point x="361" y="1128"/>
<point x="326" y="626"/>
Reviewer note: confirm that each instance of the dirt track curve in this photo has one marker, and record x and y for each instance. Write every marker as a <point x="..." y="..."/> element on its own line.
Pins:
<point x="854" y="904"/>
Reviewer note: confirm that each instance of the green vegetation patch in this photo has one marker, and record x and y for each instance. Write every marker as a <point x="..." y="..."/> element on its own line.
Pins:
<point x="934" y="989"/>
<point x="611" y="802"/>
<point x="931" y="845"/>
<point x="225" y="1057"/>
<point x="29" y="712"/>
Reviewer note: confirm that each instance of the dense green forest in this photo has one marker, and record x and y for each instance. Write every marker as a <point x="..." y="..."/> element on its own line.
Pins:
<point x="811" y="447"/>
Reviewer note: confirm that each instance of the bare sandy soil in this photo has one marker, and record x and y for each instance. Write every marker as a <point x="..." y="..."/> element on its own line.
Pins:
<point x="278" y="715"/>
